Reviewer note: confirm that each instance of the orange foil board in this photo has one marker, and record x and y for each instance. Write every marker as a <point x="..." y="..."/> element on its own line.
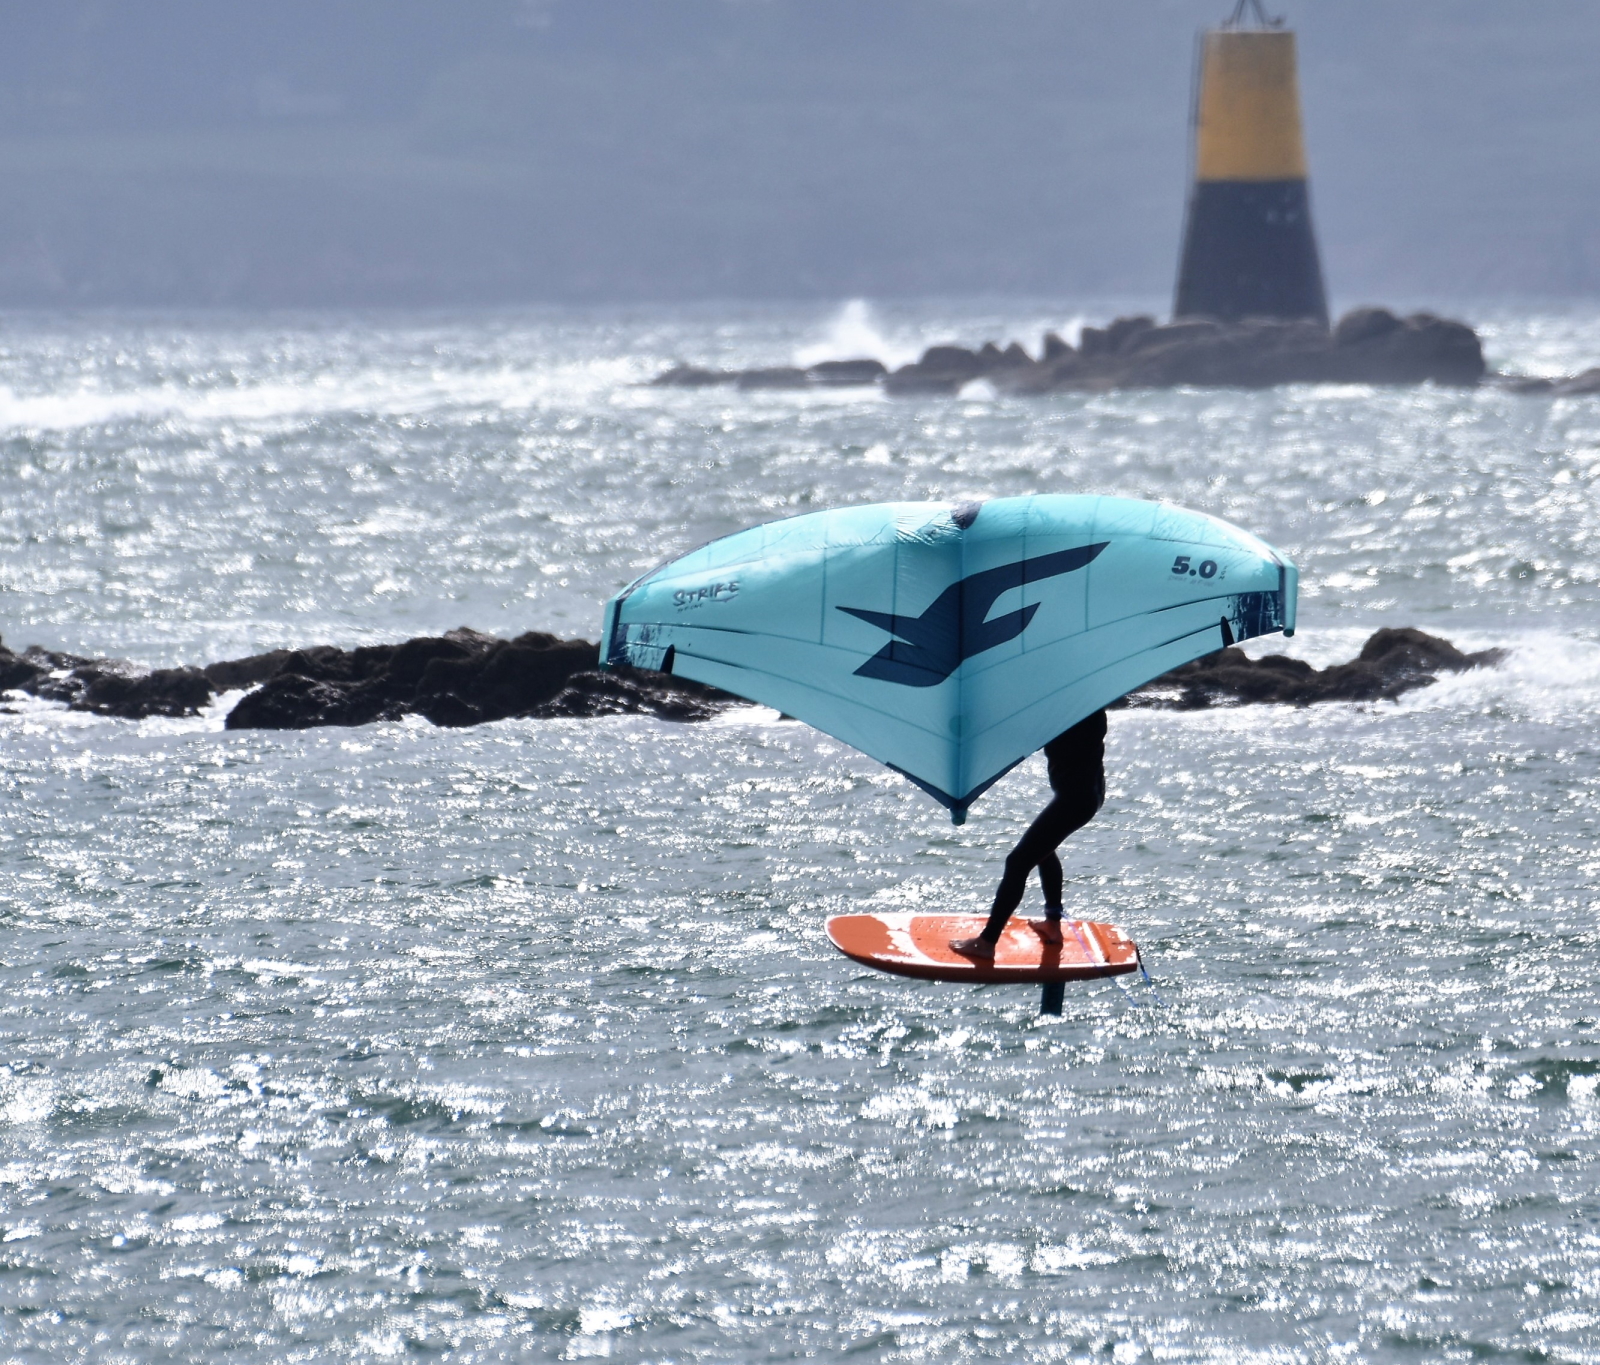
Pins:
<point x="919" y="945"/>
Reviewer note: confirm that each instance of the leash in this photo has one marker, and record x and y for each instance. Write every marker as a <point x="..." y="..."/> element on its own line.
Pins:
<point x="1139" y="958"/>
<point x="1088" y="956"/>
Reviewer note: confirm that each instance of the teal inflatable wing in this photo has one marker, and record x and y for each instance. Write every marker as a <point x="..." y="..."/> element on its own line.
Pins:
<point x="951" y="641"/>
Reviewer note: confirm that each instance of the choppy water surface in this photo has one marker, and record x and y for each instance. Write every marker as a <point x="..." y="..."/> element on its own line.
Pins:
<point x="524" y="1041"/>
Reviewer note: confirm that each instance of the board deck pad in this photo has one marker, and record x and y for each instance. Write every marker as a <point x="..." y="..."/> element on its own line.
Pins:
<point x="919" y="945"/>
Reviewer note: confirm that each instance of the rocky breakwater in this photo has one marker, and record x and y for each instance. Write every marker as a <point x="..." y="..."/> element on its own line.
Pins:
<point x="466" y="678"/>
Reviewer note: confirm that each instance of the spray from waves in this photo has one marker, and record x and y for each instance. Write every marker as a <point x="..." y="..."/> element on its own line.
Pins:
<point x="374" y="391"/>
<point x="1546" y="677"/>
<point x="23" y="717"/>
<point x="853" y="334"/>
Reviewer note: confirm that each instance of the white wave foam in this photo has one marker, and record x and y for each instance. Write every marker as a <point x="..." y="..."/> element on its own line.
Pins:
<point x="369" y="391"/>
<point x="22" y="714"/>
<point x="1546" y="676"/>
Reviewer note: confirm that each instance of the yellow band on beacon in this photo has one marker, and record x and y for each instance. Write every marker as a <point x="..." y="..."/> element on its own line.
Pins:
<point x="1249" y="109"/>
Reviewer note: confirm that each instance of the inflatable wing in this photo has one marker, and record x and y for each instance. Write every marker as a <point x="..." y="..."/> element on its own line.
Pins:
<point x="951" y="641"/>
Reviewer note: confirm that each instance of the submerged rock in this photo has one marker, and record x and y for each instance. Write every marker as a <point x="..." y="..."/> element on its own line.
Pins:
<point x="847" y="373"/>
<point x="693" y="377"/>
<point x="1580" y="384"/>
<point x="778" y="377"/>
<point x="829" y="374"/>
<point x="1391" y="663"/>
<point x="1524" y="383"/>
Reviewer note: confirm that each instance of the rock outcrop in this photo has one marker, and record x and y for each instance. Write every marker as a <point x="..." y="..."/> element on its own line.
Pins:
<point x="1391" y="663"/>
<point x="109" y="687"/>
<point x="830" y="374"/>
<point x="844" y="373"/>
<point x="466" y="678"/>
<point x="1368" y="346"/>
<point x="1573" y="386"/>
<point x="460" y="678"/>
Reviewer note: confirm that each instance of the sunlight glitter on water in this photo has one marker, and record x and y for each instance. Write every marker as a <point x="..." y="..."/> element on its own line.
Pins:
<point x="525" y="1042"/>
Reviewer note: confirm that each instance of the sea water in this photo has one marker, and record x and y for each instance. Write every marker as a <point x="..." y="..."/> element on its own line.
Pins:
<point x="525" y="1042"/>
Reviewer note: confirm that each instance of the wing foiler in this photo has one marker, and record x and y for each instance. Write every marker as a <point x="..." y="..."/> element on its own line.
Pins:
<point x="950" y="641"/>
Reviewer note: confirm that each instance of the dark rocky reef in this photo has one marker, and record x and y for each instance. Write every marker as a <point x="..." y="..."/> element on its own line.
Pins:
<point x="466" y="678"/>
<point x="109" y="687"/>
<point x="460" y="678"/>
<point x="1391" y="663"/>
<point x="1368" y="346"/>
<point x="1574" y="386"/>
<point x="830" y="374"/>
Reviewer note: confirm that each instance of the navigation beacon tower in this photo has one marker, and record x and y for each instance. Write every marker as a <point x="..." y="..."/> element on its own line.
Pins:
<point x="1248" y="246"/>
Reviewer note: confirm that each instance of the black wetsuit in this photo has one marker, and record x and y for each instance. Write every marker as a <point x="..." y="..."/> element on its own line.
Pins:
<point x="1076" y="760"/>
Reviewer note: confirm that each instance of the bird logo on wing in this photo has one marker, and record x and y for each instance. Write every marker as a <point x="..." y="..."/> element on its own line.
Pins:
<point x="927" y="649"/>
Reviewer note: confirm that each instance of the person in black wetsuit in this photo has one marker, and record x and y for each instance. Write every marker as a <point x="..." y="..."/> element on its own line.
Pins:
<point x="1076" y="761"/>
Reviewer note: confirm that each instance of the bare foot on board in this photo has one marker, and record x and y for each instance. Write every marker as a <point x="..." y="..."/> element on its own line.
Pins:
<point x="973" y="947"/>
